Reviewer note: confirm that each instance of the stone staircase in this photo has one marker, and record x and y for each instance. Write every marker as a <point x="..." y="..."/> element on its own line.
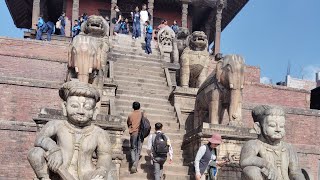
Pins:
<point x="141" y="78"/>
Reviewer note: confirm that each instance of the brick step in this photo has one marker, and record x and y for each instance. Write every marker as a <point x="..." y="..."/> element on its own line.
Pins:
<point x="140" y="80"/>
<point x="121" y="54"/>
<point x="139" y="73"/>
<point x="123" y="102"/>
<point x="144" y="85"/>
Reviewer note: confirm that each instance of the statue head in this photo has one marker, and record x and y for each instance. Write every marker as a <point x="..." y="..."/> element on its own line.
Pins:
<point x="79" y="102"/>
<point x="95" y="26"/>
<point x="198" y="41"/>
<point x="269" y="123"/>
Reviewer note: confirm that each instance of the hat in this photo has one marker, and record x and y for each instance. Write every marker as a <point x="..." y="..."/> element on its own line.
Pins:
<point x="215" y="139"/>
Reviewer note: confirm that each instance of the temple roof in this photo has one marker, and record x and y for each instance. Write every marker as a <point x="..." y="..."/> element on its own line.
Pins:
<point x="21" y="10"/>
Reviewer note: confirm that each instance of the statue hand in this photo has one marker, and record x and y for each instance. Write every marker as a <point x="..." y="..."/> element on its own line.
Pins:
<point x="270" y="173"/>
<point x="55" y="160"/>
<point x="98" y="174"/>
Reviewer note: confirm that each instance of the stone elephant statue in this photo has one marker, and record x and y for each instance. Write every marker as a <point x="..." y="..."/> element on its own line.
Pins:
<point x="88" y="51"/>
<point x="220" y="91"/>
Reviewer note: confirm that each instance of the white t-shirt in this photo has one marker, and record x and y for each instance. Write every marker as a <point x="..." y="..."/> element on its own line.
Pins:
<point x="144" y="16"/>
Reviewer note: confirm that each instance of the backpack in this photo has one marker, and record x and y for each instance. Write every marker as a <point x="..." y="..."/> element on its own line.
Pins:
<point x="160" y="145"/>
<point x="145" y="127"/>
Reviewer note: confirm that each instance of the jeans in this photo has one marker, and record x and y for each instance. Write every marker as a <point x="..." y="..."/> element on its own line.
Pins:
<point x="49" y="33"/>
<point x="158" y="167"/>
<point x="148" y="43"/>
<point x="62" y="33"/>
<point x="39" y="34"/>
<point x="136" y="30"/>
<point x="136" y="146"/>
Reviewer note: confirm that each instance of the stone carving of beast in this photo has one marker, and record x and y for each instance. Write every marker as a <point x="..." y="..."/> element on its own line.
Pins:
<point x="88" y="51"/>
<point x="221" y="90"/>
<point x="194" y="60"/>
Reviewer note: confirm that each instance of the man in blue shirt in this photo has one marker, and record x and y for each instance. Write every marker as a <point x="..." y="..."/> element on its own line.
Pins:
<point x="41" y="26"/>
<point x="148" y="38"/>
<point x="136" y="23"/>
<point x="175" y="27"/>
<point x="63" y="24"/>
<point x="76" y="28"/>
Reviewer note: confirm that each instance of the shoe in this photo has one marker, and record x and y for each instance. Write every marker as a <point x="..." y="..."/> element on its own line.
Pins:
<point x="133" y="169"/>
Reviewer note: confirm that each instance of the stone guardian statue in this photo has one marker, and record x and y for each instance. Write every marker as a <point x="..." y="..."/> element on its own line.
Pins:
<point x="221" y="90"/>
<point x="66" y="149"/>
<point x="268" y="157"/>
<point x="194" y="60"/>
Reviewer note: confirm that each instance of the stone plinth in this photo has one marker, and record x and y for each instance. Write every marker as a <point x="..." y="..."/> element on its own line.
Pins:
<point x="108" y="97"/>
<point x="233" y="139"/>
<point x="184" y="100"/>
<point x="112" y="124"/>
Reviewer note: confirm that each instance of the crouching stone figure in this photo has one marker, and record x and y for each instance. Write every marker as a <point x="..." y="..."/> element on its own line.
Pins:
<point x="66" y="149"/>
<point x="268" y="157"/>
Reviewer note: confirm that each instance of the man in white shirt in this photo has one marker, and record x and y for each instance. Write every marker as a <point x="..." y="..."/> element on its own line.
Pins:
<point x="157" y="151"/>
<point x="144" y="16"/>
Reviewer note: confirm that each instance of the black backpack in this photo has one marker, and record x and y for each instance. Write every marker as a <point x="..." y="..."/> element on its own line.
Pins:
<point x="144" y="128"/>
<point x="160" y="145"/>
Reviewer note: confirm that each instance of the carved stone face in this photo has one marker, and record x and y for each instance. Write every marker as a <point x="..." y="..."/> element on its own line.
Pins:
<point x="198" y="40"/>
<point x="273" y="127"/>
<point x="80" y="110"/>
<point x="96" y="26"/>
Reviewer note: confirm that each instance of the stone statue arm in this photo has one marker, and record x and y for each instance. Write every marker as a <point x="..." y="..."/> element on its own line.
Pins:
<point x="103" y="153"/>
<point x="295" y="172"/>
<point x="44" y="138"/>
<point x="249" y="156"/>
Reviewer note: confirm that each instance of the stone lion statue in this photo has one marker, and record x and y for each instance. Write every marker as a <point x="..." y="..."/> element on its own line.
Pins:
<point x="222" y="90"/>
<point x="168" y="44"/>
<point x="88" y="51"/>
<point x="194" y="60"/>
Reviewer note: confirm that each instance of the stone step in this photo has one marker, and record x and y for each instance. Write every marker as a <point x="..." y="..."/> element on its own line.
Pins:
<point x="142" y="99"/>
<point x="121" y="54"/>
<point x="135" y="61"/>
<point x="139" y="73"/>
<point x="143" y="89"/>
<point x="140" y="80"/>
<point x="136" y="64"/>
<point x="144" y="93"/>
<point x="145" y="159"/>
<point x="142" y="174"/>
<point x="151" y="86"/>
<point x="167" y="124"/>
<point x="137" y="68"/>
<point x="167" y="167"/>
<point x="123" y="102"/>
<point x="138" y="47"/>
<point x="148" y="110"/>
<point x="154" y="116"/>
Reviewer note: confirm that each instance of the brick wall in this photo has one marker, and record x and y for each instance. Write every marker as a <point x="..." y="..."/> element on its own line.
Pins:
<point x="14" y="146"/>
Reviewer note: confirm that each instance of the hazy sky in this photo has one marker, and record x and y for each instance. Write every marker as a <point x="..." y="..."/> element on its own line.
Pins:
<point x="268" y="33"/>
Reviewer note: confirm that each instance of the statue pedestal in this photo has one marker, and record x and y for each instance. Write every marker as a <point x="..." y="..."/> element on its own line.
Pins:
<point x="233" y="138"/>
<point x="184" y="100"/>
<point x="112" y="124"/>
